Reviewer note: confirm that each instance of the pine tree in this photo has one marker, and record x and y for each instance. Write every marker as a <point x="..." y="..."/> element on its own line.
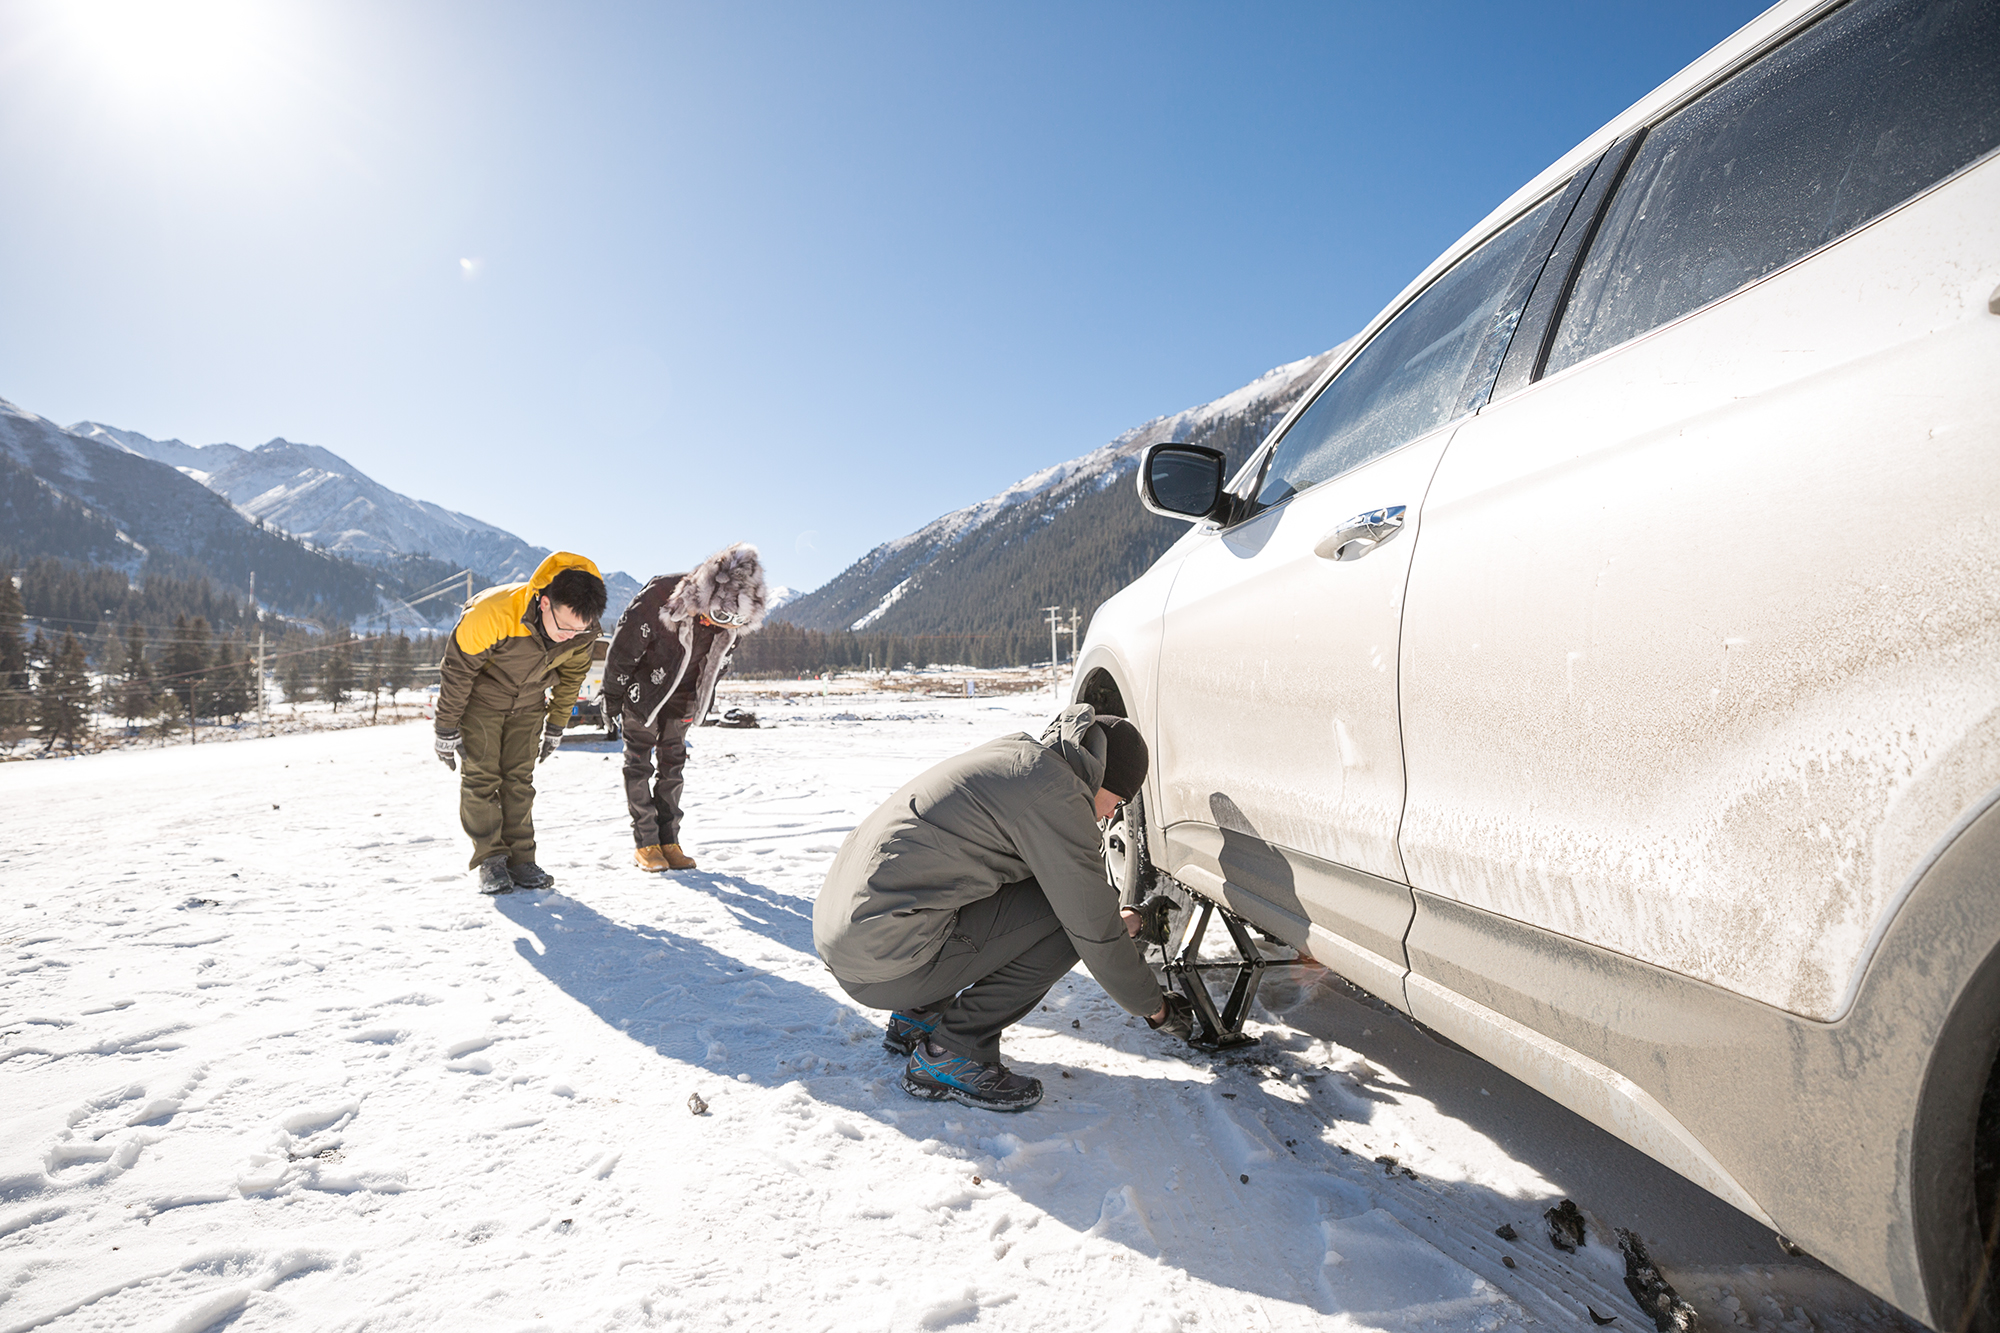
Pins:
<point x="110" y="659"/>
<point x="62" y="696"/>
<point x="105" y="651"/>
<point x="397" y="672"/>
<point x="292" y="677"/>
<point x="336" y="672"/>
<point x="168" y="715"/>
<point x="14" y="694"/>
<point x="109" y="656"/>
<point x="184" y="662"/>
<point x="229" y="678"/>
<point x="135" y="691"/>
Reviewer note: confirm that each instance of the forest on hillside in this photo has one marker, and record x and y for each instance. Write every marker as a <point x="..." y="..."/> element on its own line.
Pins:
<point x="980" y="601"/>
<point x="80" y="642"/>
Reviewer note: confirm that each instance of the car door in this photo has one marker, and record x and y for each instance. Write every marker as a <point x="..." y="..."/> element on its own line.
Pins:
<point x="1281" y="773"/>
<point x="1689" y="655"/>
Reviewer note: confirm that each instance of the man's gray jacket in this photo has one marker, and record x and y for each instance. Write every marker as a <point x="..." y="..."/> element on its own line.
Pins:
<point x="1006" y="811"/>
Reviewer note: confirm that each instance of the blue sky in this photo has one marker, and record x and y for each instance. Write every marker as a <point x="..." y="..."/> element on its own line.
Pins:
<point x="641" y="279"/>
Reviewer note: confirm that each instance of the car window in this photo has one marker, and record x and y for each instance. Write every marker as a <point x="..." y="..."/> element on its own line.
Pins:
<point x="1431" y="363"/>
<point x="1839" y="125"/>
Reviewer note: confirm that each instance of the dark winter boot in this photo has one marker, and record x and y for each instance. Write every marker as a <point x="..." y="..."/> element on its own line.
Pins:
<point x="493" y="876"/>
<point x="528" y="875"/>
<point x="936" y="1075"/>
<point x="907" y="1029"/>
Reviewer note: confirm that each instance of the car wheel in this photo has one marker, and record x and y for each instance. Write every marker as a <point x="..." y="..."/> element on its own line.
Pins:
<point x="1127" y="863"/>
<point x="1129" y="866"/>
<point x="1983" y="1312"/>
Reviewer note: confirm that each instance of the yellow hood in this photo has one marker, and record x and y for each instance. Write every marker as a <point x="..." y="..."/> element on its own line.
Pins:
<point x="499" y="612"/>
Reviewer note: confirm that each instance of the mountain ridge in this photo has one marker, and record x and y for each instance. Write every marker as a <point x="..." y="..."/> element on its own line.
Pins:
<point x="1064" y="535"/>
<point x="313" y="493"/>
<point x="84" y="499"/>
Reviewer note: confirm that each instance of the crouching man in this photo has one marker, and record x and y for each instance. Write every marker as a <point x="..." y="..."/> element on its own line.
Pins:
<point x="509" y="677"/>
<point x="959" y="902"/>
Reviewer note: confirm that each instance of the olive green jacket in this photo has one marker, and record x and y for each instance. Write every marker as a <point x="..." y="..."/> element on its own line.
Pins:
<point x="1010" y="810"/>
<point x="499" y="659"/>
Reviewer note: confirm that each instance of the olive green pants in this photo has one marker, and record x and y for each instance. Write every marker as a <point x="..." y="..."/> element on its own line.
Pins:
<point x="496" y="789"/>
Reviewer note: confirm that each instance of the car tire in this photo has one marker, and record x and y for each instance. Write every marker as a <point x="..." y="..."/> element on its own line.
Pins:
<point x="1982" y="1314"/>
<point x="1127" y="862"/>
<point x="1128" y="865"/>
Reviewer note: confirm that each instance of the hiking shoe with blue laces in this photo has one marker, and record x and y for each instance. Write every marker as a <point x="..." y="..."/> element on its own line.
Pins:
<point x="937" y="1075"/>
<point x="906" y="1030"/>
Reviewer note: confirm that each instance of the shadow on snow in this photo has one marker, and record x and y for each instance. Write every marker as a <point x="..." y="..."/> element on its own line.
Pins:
<point x="1149" y="1161"/>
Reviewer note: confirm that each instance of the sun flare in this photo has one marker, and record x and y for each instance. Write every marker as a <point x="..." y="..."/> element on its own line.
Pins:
<point x="167" y="53"/>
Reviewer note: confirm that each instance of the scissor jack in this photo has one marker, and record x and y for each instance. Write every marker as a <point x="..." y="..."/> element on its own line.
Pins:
<point x="1220" y="1030"/>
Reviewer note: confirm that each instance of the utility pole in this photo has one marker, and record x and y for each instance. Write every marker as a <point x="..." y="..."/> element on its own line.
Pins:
<point x="1070" y="628"/>
<point x="1055" y="681"/>
<point x="255" y="611"/>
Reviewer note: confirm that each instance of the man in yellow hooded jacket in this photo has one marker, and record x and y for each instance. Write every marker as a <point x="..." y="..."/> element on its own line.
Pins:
<point x="509" y="677"/>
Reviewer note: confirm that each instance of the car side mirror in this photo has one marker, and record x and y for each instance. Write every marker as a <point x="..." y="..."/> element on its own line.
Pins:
<point x="1181" y="480"/>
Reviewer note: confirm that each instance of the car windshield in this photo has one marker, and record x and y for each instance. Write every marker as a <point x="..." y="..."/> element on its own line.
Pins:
<point x="1422" y="370"/>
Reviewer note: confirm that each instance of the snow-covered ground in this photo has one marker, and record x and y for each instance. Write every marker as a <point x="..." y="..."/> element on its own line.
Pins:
<point x="267" y="1061"/>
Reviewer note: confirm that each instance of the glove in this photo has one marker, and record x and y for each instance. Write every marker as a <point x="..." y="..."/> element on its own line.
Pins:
<point x="1179" y="1018"/>
<point x="449" y="745"/>
<point x="1155" y="919"/>
<point x="551" y="738"/>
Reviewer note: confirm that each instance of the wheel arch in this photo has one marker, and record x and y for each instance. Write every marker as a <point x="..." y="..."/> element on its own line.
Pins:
<point x="1104" y="681"/>
<point x="1954" y="933"/>
<point x="1098" y="687"/>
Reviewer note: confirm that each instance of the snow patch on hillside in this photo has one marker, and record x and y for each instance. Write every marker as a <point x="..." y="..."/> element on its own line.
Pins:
<point x="1100" y="467"/>
<point x="895" y="595"/>
<point x="318" y="496"/>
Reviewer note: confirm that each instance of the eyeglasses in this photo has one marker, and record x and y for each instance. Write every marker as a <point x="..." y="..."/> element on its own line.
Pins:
<point x="733" y="619"/>
<point x="555" y="624"/>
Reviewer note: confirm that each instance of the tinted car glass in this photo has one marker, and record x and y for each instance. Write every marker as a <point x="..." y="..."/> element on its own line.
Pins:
<point x="1418" y="372"/>
<point x="1839" y="125"/>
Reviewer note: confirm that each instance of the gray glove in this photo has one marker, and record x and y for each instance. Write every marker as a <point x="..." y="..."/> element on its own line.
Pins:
<point x="1179" y="1018"/>
<point x="449" y="745"/>
<point x="551" y="738"/>
<point x="1155" y="919"/>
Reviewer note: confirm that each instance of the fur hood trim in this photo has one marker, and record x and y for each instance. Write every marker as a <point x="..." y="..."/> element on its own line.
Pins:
<point x="730" y="582"/>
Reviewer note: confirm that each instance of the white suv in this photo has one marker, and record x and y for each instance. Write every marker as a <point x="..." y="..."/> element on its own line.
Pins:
<point x="1602" y="664"/>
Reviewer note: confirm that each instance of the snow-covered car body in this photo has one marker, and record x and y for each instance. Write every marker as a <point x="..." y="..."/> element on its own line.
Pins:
<point x="1602" y="663"/>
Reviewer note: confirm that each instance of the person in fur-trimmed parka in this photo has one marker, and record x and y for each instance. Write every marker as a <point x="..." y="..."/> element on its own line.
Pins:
<point x="668" y="651"/>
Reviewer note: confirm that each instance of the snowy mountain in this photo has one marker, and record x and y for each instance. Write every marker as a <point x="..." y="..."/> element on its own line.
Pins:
<point x="317" y="495"/>
<point x="87" y="499"/>
<point x="1069" y="535"/>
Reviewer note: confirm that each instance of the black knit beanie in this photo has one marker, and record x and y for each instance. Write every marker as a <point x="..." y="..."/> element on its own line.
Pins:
<point x="1125" y="756"/>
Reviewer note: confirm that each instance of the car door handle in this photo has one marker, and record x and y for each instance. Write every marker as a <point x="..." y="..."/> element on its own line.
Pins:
<point x="1361" y="534"/>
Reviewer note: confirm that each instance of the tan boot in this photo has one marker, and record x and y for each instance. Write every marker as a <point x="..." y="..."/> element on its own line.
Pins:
<point x="650" y="858"/>
<point x="676" y="858"/>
